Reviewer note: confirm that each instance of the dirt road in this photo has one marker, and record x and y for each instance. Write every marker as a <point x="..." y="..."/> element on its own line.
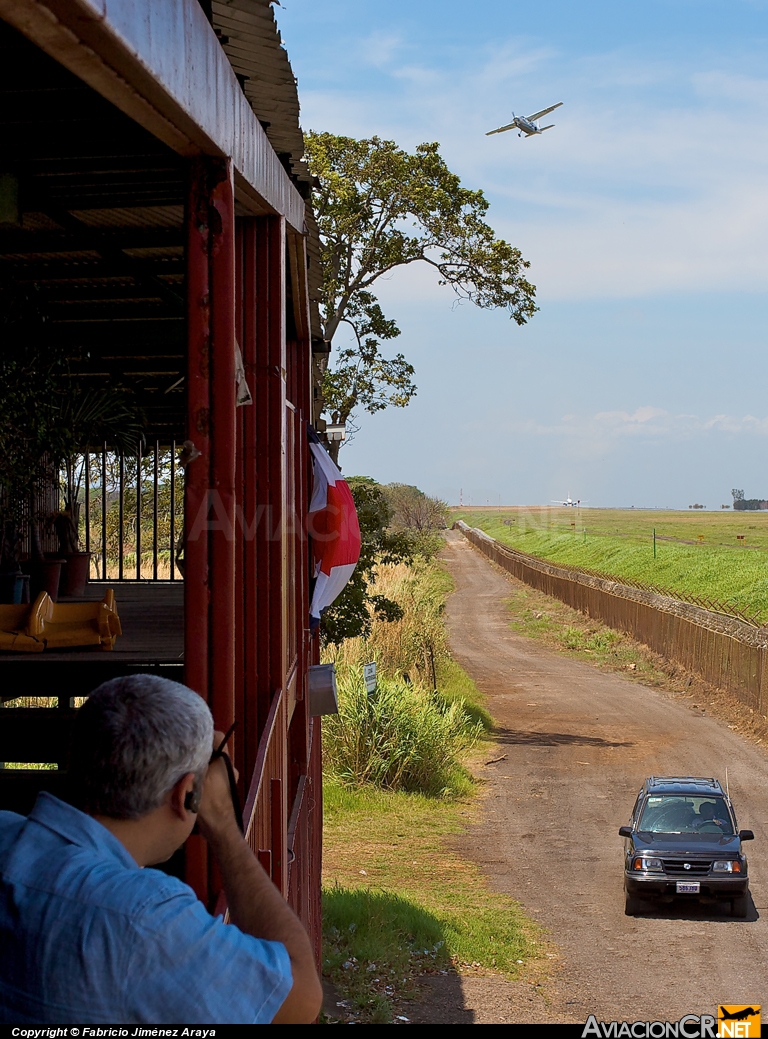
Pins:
<point x="578" y="745"/>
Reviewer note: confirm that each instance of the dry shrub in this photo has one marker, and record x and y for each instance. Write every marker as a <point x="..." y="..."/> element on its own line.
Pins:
<point x="415" y="645"/>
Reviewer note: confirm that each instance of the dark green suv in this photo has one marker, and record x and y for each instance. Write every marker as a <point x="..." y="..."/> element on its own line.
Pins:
<point x="683" y="842"/>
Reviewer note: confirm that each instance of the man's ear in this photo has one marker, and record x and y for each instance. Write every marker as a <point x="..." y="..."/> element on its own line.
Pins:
<point x="182" y="795"/>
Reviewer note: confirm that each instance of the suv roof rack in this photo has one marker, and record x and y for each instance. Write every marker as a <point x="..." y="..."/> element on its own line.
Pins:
<point x="656" y="781"/>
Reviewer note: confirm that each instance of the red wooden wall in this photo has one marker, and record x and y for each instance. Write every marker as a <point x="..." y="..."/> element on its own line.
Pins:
<point x="248" y="645"/>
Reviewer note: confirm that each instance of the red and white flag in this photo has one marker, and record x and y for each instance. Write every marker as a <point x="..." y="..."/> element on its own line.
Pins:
<point x="335" y="531"/>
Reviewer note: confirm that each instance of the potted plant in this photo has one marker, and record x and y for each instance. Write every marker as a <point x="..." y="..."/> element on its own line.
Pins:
<point x="47" y="420"/>
<point x="30" y="370"/>
<point x="78" y="563"/>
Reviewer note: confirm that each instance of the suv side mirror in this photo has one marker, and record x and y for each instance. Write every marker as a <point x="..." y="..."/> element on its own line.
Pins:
<point x="626" y="831"/>
<point x="746" y="835"/>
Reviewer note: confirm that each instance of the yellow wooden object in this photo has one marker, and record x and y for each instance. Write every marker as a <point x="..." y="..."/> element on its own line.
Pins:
<point x="61" y="625"/>
<point x="50" y="625"/>
<point x="14" y="635"/>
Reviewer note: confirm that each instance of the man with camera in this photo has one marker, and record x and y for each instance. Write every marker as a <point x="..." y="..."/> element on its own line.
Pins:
<point x="89" y="935"/>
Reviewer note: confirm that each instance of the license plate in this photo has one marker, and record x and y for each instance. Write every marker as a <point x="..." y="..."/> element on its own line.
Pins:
<point x="688" y="887"/>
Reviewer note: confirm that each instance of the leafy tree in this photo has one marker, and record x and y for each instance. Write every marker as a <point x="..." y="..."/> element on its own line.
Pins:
<point x="378" y="208"/>
<point x="412" y="509"/>
<point x="350" y="615"/>
<point x="419" y="516"/>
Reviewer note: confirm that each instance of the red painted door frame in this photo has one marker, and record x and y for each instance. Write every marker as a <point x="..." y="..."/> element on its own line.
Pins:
<point x="209" y="495"/>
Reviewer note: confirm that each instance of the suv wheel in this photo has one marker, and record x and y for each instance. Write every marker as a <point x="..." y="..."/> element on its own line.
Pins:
<point x="739" y="906"/>
<point x="632" y="905"/>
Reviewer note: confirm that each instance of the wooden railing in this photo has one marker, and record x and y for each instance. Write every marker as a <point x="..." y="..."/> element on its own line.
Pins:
<point x="291" y="854"/>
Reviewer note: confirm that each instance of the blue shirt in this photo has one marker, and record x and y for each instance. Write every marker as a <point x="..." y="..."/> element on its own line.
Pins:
<point x="86" y="936"/>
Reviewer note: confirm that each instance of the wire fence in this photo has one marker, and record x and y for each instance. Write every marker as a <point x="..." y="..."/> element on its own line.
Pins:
<point x="722" y="645"/>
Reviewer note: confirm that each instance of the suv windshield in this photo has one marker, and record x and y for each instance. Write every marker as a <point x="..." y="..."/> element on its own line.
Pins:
<point x="676" y="813"/>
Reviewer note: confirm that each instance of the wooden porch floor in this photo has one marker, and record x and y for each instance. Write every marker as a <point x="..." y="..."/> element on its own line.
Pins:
<point x="152" y="618"/>
<point x="38" y="728"/>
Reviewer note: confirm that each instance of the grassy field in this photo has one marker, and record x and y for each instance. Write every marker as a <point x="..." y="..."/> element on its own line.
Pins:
<point x="697" y="553"/>
<point x="398" y="903"/>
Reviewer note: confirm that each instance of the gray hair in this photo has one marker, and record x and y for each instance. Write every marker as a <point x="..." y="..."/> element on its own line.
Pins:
<point x="133" y="740"/>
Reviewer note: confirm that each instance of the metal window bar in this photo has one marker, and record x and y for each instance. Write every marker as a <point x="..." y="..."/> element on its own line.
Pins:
<point x="104" y="512"/>
<point x="115" y="524"/>
<point x="173" y="512"/>
<point x="121" y="518"/>
<point x="154" y="515"/>
<point x="87" y="464"/>
<point x="138" y="511"/>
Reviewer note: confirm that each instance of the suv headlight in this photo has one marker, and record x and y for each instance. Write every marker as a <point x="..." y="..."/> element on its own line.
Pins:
<point x="651" y="865"/>
<point x="726" y="866"/>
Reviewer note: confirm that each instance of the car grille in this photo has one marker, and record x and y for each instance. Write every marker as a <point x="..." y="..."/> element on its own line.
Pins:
<point x="677" y="866"/>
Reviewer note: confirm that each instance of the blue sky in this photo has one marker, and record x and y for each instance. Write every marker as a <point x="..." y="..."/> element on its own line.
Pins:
<point x="644" y="213"/>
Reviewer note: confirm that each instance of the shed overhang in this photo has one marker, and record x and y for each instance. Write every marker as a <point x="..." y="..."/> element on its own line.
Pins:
<point x="162" y="64"/>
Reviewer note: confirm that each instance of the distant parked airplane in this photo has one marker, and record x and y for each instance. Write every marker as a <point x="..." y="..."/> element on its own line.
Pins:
<point x="569" y="501"/>
<point x="527" y="124"/>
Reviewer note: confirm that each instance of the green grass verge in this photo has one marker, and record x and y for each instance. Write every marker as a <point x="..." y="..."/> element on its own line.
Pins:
<point x="536" y="615"/>
<point x="620" y="543"/>
<point x="34" y="765"/>
<point x="398" y="902"/>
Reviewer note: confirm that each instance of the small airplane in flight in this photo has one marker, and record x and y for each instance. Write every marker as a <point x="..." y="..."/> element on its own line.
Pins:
<point x="527" y="125"/>
<point x="569" y="502"/>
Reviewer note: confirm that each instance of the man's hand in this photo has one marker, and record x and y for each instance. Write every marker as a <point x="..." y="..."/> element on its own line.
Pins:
<point x="255" y="904"/>
<point x="216" y="816"/>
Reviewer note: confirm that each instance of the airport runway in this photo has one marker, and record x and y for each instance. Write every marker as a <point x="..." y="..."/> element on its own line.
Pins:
<point x="578" y="744"/>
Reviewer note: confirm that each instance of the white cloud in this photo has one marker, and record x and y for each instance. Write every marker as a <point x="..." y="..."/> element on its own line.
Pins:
<point x="640" y="418"/>
<point x="380" y="48"/>
<point x="647" y="421"/>
<point x="653" y="180"/>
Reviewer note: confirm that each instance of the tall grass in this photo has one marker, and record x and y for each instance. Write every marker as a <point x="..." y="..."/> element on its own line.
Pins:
<point x="401" y="737"/>
<point x="426" y="713"/>
<point x="415" y="648"/>
<point x="412" y="645"/>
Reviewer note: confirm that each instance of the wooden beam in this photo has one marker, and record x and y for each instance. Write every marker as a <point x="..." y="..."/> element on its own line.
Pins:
<point x="221" y="647"/>
<point x="197" y="476"/>
<point x="162" y="65"/>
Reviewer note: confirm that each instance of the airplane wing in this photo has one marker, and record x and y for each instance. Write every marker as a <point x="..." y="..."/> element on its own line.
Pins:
<point x="501" y="129"/>
<point x="544" y="111"/>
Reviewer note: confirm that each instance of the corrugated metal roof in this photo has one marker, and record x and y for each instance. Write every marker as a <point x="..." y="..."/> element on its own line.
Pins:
<point x="250" y="37"/>
<point x="251" y="40"/>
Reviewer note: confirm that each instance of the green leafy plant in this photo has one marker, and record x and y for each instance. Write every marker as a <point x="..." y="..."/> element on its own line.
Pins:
<point x="88" y="418"/>
<point x="399" y="738"/>
<point x="47" y="419"/>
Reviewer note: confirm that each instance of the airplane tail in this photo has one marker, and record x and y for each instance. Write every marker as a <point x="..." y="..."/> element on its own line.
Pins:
<point x="543" y="128"/>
